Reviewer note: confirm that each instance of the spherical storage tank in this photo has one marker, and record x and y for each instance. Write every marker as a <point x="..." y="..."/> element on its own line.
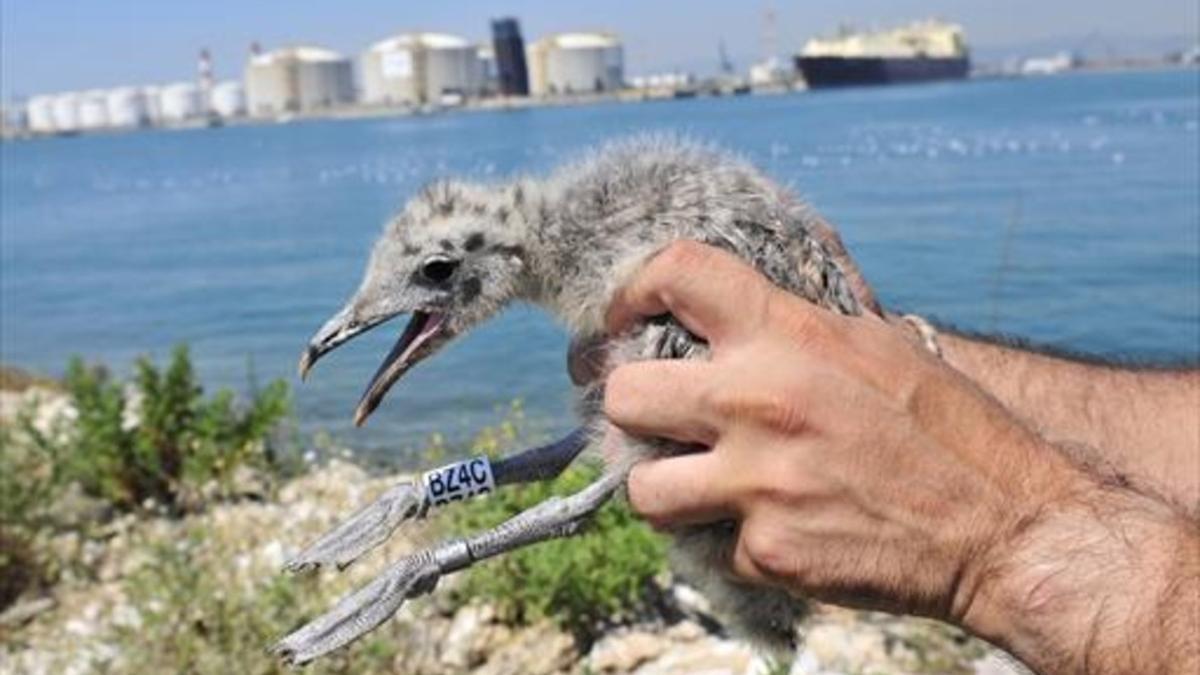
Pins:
<point x="575" y="63"/>
<point x="180" y="101"/>
<point x="298" y="79"/>
<point x="414" y="68"/>
<point x="66" y="112"/>
<point x="93" y="110"/>
<point x="228" y="99"/>
<point x="40" y="111"/>
<point x="126" y="107"/>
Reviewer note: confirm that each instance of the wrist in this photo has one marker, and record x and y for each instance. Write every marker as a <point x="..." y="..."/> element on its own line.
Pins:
<point x="1080" y="582"/>
<point x="918" y="330"/>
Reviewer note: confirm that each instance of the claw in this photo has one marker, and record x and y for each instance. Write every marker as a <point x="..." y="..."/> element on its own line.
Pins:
<point x="366" y="529"/>
<point x="362" y="611"/>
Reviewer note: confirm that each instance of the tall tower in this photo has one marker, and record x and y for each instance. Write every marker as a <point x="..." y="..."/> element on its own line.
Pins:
<point x="510" y="57"/>
<point x="204" y="77"/>
<point x="770" y="37"/>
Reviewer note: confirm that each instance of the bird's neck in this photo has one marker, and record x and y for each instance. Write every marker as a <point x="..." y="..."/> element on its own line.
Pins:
<point x="578" y="255"/>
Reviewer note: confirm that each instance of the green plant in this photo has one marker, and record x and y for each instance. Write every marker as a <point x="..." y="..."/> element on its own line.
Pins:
<point x="196" y="614"/>
<point x="28" y="485"/>
<point x="165" y="440"/>
<point x="581" y="582"/>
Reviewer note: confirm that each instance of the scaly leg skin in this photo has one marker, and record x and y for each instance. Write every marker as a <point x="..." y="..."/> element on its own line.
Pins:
<point x="363" y="531"/>
<point x="373" y="524"/>
<point x="417" y="574"/>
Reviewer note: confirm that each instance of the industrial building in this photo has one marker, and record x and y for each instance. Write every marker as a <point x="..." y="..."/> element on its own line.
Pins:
<point x="488" y="68"/>
<point x="126" y="107"/>
<point x="93" y="110"/>
<point x="152" y="95"/>
<point x="575" y="63"/>
<point x="508" y="49"/>
<point x="39" y="113"/>
<point x="421" y="68"/>
<point x="180" y="101"/>
<point x="297" y="79"/>
<point x="65" y="111"/>
<point x="228" y="99"/>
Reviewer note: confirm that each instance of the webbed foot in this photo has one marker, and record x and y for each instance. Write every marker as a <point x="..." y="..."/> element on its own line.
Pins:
<point x="363" y="531"/>
<point x="361" y="611"/>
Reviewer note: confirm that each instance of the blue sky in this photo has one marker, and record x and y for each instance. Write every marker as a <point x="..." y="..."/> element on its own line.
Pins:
<point x="48" y="45"/>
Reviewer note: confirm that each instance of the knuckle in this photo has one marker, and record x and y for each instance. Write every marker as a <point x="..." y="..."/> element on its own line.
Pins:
<point x="713" y="401"/>
<point x="773" y="409"/>
<point x="781" y="412"/>
<point x="742" y="565"/>
<point x="684" y="253"/>
<point x="765" y="552"/>
<point x="802" y="322"/>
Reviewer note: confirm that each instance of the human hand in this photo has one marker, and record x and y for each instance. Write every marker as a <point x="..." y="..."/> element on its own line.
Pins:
<point x="863" y="471"/>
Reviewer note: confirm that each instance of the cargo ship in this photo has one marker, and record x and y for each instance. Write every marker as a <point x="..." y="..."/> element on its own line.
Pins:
<point x="924" y="51"/>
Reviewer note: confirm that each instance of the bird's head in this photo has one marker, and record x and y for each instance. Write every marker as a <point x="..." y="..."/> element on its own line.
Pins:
<point x="454" y="257"/>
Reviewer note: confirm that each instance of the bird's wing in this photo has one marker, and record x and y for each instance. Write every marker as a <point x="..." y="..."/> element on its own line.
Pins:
<point x="822" y="279"/>
<point x="802" y="256"/>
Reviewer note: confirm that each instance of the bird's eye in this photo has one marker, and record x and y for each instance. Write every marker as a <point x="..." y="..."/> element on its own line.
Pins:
<point x="439" y="270"/>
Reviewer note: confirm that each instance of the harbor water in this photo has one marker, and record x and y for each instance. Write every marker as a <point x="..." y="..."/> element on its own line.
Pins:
<point x="1062" y="209"/>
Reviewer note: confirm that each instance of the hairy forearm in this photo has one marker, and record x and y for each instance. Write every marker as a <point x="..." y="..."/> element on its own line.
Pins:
<point x="1140" y="424"/>
<point x="1103" y="580"/>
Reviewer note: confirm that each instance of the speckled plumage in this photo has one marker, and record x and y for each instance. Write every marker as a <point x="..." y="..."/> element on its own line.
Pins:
<point x="568" y="241"/>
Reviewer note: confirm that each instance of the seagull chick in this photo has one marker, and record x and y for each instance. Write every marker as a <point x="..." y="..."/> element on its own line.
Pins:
<point x="459" y="253"/>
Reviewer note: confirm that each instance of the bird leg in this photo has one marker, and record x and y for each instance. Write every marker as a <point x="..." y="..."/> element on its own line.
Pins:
<point x="373" y="524"/>
<point x="418" y="573"/>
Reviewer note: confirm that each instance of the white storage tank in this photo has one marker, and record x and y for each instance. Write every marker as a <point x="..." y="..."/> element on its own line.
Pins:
<point x="40" y="111"/>
<point x="152" y="96"/>
<point x="576" y="63"/>
<point x="93" y="110"/>
<point x="180" y="101"/>
<point x="66" y="112"/>
<point x="417" y="68"/>
<point x="228" y="99"/>
<point x="126" y="107"/>
<point x="298" y="79"/>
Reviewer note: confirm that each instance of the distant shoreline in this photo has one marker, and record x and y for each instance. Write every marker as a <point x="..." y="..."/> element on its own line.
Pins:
<point x="357" y="112"/>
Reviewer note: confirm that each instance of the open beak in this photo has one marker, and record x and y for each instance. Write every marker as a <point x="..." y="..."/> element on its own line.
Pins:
<point x="425" y="333"/>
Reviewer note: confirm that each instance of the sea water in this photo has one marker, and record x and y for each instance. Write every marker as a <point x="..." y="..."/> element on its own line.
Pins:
<point x="1063" y="209"/>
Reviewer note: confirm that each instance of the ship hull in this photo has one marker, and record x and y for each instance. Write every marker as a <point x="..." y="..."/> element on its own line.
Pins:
<point x="828" y="71"/>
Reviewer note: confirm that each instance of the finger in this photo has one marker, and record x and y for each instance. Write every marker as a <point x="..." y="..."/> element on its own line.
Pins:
<point x="743" y="565"/>
<point x="712" y="292"/>
<point x="662" y="399"/>
<point x="682" y="490"/>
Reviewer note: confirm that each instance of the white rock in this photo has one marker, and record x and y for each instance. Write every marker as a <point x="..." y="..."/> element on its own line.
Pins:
<point x="710" y="656"/>
<point x="460" y="646"/>
<point x="623" y="652"/>
<point x="272" y="555"/>
<point x="686" y="631"/>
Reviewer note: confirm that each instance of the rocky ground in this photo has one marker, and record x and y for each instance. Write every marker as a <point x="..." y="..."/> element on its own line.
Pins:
<point x="205" y="593"/>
